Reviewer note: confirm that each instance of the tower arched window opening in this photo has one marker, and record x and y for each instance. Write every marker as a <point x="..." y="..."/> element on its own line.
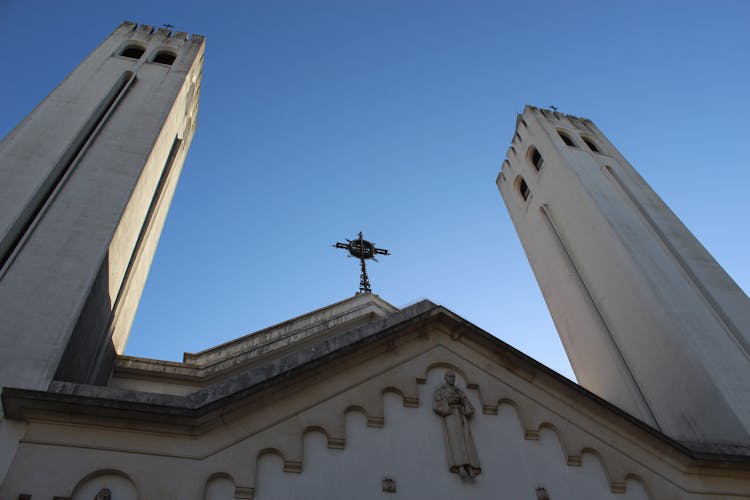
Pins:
<point x="133" y="51"/>
<point x="523" y="188"/>
<point x="566" y="139"/>
<point x="536" y="159"/>
<point x="164" y="57"/>
<point x="591" y="145"/>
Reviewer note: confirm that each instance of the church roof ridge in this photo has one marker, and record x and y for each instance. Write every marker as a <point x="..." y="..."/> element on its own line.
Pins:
<point x="204" y="400"/>
<point x="316" y="318"/>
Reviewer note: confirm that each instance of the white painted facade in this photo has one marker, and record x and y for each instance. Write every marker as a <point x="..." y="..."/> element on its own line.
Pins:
<point x="649" y="319"/>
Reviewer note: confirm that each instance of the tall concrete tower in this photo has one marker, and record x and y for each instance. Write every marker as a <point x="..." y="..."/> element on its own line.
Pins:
<point x="648" y="318"/>
<point x="86" y="180"/>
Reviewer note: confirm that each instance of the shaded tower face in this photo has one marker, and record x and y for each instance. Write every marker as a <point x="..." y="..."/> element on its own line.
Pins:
<point x="648" y="318"/>
<point x="86" y="180"/>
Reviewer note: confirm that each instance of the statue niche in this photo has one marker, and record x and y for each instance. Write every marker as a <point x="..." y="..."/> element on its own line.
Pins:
<point x="453" y="406"/>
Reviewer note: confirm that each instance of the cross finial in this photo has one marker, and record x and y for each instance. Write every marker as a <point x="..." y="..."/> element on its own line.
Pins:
<point x="363" y="250"/>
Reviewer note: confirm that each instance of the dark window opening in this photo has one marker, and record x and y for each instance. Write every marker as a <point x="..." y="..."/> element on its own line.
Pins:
<point x="567" y="140"/>
<point x="165" y="58"/>
<point x="536" y="159"/>
<point x="591" y="145"/>
<point x="133" y="52"/>
<point x="524" y="189"/>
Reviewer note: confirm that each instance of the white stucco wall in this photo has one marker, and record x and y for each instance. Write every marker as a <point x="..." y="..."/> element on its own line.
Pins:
<point x="338" y="435"/>
<point x="410" y="449"/>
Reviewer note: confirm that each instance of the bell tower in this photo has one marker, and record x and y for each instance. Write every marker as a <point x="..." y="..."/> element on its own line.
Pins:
<point x="649" y="320"/>
<point x="86" y="180"/>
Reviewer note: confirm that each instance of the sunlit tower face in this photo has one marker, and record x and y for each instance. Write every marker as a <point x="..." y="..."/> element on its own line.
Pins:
<point x="647" y="317"/>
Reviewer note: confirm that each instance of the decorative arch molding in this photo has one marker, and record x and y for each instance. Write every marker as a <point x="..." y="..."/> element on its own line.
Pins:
<point x="408" y="401"/>
<point x="328" y="418"/>
<point x="372" y="420"/>
<point x="605" y="468"/>
<point x="289" y="465"/>
<point x="522" y="412"/>
<point x="221" y="486"/>
<point x="332" y="442"/>
<point x="448" y="366"/>
<point x="638" y="483"/>
<point x="572" y="455"/>
<point x="120" y="484"/>
<point x="615" y="474"/>
<point x="565" y="447"/>
<point x="219" y="475"/>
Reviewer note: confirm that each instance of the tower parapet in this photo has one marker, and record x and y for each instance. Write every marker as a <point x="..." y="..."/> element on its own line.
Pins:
<point x="649" y="320"/>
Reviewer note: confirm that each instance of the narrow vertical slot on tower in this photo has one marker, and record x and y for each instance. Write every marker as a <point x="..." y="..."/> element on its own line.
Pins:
<point x="714" y="305"/>
<point x="44" y="195"/>
<point x="589" y="297"/>
<point x="147" y="222"/>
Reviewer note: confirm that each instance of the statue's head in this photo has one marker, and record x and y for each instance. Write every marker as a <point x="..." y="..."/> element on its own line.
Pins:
<point x="450" y="378"/>
<point x="104" y="494"/>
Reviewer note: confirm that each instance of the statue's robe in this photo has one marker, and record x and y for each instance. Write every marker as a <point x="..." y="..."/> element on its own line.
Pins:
<point x="451" y="404"/>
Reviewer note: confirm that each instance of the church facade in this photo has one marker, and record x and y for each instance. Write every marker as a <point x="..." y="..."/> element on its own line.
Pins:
<point x="358" y="399"/>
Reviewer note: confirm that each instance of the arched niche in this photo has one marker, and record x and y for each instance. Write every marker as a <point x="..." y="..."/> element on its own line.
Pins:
<point x="117" y="484"/>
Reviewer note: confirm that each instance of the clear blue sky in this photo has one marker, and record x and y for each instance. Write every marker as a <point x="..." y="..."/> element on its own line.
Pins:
<point x="320" y="119"/>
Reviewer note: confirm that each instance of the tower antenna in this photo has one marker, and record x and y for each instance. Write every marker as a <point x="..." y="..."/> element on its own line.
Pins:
<point x="363" y="250"/>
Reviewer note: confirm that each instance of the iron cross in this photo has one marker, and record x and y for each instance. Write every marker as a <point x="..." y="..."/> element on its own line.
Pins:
<point x="363" y="250"/>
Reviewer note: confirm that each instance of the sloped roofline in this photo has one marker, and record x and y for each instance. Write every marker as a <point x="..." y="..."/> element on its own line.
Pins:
<point x="369" y="297"/>
<point x="192" y="411"/>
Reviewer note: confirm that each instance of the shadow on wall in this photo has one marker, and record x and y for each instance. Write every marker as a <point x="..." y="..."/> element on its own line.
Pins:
<point x="89" y="355"/>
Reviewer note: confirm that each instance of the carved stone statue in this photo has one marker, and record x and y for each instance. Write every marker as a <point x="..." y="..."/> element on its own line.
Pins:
<point x="452" y="404"/>
<point x="104" y="494"/>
